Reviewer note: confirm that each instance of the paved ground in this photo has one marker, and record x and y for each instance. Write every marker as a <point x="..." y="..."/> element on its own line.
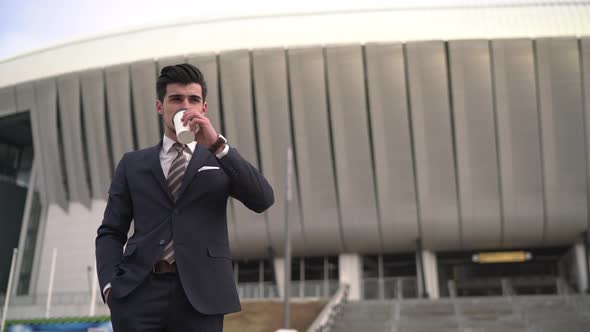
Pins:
<point x="267" y="316"/>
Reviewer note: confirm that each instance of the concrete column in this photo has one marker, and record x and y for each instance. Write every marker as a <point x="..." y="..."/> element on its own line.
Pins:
<point x="419" y="288"/>
<point x="581" y="260"/>
<point x="279" y="264"/>
<point x="351" y="273"/>
<point x="430" y="273"/>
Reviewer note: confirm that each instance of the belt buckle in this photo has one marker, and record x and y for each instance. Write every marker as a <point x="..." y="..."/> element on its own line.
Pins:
<point x="163" y="267"/>
<point x="155" y="268"/>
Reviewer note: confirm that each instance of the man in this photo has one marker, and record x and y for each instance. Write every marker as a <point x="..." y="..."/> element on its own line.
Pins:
<point x="175" y="273"/>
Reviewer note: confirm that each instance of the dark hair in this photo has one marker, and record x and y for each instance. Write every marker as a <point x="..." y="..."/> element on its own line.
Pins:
<point x="182" y="73"/>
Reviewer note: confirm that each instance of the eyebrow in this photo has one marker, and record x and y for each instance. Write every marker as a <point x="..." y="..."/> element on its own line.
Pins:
<point x="181" y="95"/>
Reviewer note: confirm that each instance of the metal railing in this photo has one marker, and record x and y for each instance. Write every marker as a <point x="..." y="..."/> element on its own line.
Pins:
<point x="314" y="288"/>
<point x="388" y="288"/>
<point x="299" y="289"/>
<point x="257" y="290"/>
<point x="325" y="320"/>
<point x="396" y="307"/>
<point x="252" y="290"/>
<point x="457" y="310"/>
<point x="57" y="298"/>
<point x="62" y="304"/>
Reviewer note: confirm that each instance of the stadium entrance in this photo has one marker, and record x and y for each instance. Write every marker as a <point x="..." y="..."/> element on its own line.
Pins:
<point x="526" y="272"/>
<point x="389" y="276"/>
<point x="16" y="169"/>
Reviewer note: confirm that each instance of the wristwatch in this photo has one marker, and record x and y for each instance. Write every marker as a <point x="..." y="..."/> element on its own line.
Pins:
<point x="215" y="146"/>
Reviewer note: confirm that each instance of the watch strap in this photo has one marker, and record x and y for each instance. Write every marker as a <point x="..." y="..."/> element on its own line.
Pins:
<point x="215" y="146"/>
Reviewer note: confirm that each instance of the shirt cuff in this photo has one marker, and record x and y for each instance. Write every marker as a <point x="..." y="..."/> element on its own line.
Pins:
<point x="106" y="287"/>
<point x="223" y="152"/>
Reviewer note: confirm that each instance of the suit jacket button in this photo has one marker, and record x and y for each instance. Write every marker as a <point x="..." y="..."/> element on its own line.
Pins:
<point x="162" y="242"/>
<point x="176" y="212"/>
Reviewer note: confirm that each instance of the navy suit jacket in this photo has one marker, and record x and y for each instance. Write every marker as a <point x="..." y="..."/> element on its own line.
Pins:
<point x="196" y="221"/>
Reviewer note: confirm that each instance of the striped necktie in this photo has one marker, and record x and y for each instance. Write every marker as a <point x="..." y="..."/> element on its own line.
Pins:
<point x="175" y="176"/>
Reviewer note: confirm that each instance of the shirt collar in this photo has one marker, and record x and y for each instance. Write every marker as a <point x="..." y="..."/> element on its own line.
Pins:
<point x="167" y="143"/>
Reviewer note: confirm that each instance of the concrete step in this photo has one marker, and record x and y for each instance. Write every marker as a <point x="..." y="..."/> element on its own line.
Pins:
<point x="428" y="324"/>
<point x="362" y="326"/>
<point x="562" y="326"/>
<point x="539" y="314"/>
<point x="365" y="316"/>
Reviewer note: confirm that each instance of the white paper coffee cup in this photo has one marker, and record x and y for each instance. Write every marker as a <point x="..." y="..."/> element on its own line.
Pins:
<point x="184" y="133"/>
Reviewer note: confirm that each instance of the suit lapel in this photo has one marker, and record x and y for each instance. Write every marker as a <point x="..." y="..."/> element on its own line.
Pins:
<point x="199" y="157"/>
<point x="156" y="167"/>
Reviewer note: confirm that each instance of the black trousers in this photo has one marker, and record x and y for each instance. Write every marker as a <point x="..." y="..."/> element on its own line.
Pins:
<point x="160" y="305"/>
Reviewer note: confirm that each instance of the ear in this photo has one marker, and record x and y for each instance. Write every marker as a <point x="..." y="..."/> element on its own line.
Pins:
<point x="159" y="107"/>
<point x="205" y="105"/>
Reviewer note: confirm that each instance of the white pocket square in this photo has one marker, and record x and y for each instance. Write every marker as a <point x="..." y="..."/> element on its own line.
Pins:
<point x="207" y="168"/>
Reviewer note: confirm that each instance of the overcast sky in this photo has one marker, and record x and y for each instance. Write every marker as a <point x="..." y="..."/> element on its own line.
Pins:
<point x="27" y="25"/>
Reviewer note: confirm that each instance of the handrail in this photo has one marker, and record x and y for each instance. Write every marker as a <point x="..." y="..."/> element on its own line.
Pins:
<point x="325" y="320"/>
<point x="507" y="289"/>
<point x="457" y="311"/>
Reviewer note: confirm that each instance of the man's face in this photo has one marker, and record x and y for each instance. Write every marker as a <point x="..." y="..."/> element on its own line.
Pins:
<point x="178" y="95"/>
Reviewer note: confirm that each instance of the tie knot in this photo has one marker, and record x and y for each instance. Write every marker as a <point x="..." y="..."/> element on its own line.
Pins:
<point x="180" y="147"/>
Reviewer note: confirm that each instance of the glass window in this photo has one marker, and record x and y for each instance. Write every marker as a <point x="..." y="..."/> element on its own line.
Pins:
<point x="249" y="271"/>
<point x="333" y="268"/>
<point x="268" y="273"/>
<point x="295" y="268"/>
<point x="399" y="265"/>
<point x="314" y="268"/>
<point x="371" y="266"/>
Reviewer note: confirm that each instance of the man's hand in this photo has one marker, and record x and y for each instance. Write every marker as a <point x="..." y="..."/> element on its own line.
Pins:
<point x="206" y="134"/>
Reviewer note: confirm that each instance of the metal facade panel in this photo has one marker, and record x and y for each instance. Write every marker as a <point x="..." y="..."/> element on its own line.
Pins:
<point x="585" y="55"/>
<point x="68" y="87"/>
<point x="562" y="130"/>
<point x="207" y="64"/>
<point x="7" y="100"/>
<point x="118" y="92"/>
<point x="314" y="162"/>
<point x="518" y="142"/>
<point x="394" y="169"/>
<point x="475" y="139"/>
<point x="25" y="96"/>
<point x="143" y="88"/>
<point x="236" y="84"/>
<point x="274" y="133"/>
<point x="25" y="101"/>
<point x="99" y="157"/>
<point x="352" y="149"/>
<point x="433" y="145"/>
<point x="46" y="113"/>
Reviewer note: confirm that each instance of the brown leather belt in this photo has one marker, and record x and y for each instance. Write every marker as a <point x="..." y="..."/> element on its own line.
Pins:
<point x="164" y="267"/>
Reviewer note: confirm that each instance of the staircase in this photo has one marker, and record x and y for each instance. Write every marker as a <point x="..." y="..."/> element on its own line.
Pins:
<point x="365" y="316"/>
<point x="489" y="314"/>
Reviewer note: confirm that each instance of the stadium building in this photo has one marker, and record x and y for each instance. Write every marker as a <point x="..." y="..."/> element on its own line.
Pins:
<point x="428" y="141"/>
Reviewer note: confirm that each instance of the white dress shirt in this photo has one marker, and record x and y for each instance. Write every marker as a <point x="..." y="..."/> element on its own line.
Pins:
<point x="167" y="154"/>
